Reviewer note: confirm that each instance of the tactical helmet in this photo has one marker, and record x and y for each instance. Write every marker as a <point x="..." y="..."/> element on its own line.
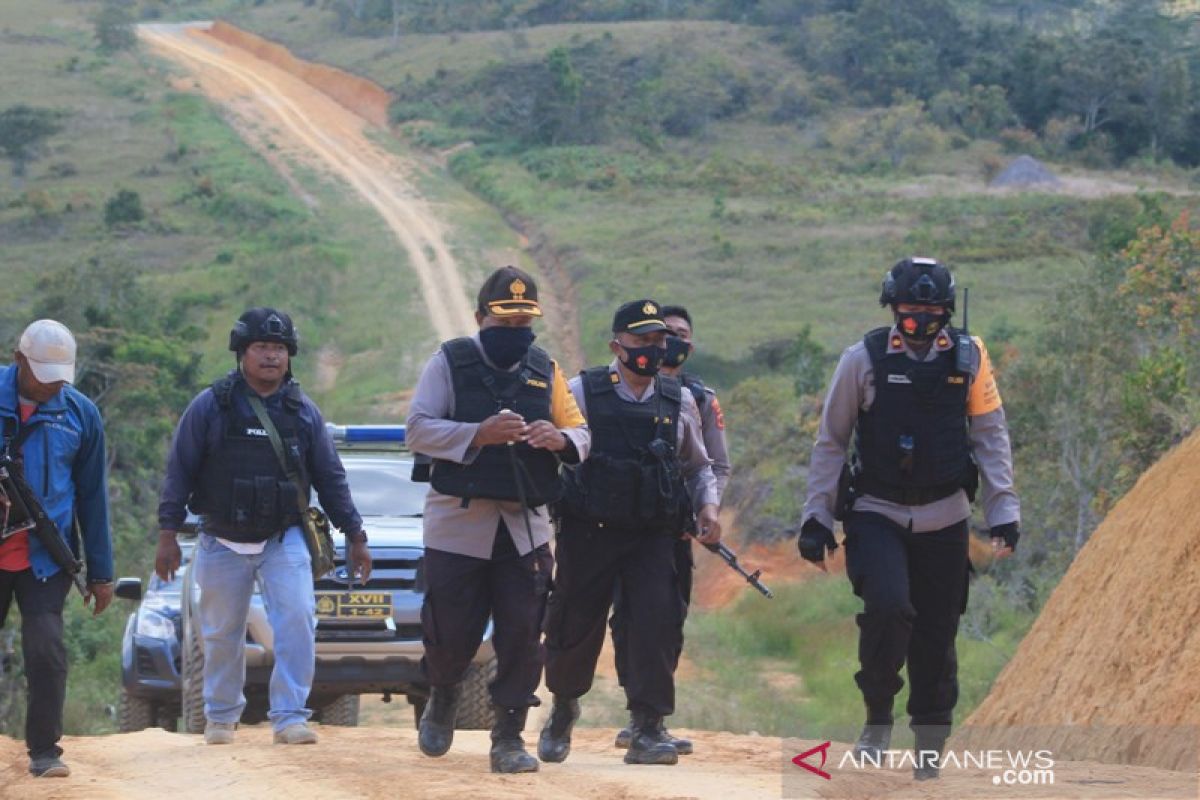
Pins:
<point x="918" y="280"/>
<point x="263" y="325"/>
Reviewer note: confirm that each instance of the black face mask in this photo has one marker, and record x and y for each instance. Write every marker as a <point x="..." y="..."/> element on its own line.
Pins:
<point x="922" y="327"/>
<point x="677" y="352"/>
<point x="505" y="345"/>
<point x="644" y="360"/>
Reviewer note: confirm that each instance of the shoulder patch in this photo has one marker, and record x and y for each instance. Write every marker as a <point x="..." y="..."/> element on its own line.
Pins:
<point x="718" y="414"/>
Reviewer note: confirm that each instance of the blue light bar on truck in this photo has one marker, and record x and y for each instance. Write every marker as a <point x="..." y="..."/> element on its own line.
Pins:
<point x="367" y="434"/>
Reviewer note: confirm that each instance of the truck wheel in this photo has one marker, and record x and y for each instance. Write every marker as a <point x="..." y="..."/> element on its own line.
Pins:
<point x="134" y="713"/>
<point x="343" y="711"/>
<point x="193" y="681"/>
<point x="475" y="703"/>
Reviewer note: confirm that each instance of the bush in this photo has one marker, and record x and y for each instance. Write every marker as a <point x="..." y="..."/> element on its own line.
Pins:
<point x="124" y="208"/>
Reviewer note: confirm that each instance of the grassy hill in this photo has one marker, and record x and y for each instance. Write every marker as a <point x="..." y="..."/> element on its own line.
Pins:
<point x="779" y="214"/>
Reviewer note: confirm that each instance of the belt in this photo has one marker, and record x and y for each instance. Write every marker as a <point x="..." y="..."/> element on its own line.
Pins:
<point x="905" y="495"/>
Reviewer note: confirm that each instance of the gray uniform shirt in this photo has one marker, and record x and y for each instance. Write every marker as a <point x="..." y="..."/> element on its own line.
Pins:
<point x="694" y="462"/>
<point x="712" y="426"/>
<point x="852" y="391"/>
<point x="470" y="531"/>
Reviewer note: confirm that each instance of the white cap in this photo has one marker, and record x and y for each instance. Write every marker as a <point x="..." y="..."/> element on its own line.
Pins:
<point x="50" y="349"/>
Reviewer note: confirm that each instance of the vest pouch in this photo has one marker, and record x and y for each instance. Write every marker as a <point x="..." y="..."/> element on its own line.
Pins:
<point x="266" y="503"/>
<point x="241" y="511"/>
<point x="611" y="491"/>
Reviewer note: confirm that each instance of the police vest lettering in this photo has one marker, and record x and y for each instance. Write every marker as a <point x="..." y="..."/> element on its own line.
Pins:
<point x="481" y="391"/>
<point x="912" y="445"/>
<point x="631" y="479"/>
<point x="243" y="493"/>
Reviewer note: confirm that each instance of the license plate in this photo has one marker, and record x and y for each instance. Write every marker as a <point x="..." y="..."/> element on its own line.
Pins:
<point x="354" y="605"/>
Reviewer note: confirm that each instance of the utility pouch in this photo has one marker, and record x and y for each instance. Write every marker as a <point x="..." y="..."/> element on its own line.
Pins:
<point x="843" y="503"/>
<point x="242" y="514"/>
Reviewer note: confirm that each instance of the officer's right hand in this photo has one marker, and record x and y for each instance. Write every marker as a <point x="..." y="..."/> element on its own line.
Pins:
<point x="168" y="556"/>
<point x="502" y="428"/>
<point x="813" y="541"/>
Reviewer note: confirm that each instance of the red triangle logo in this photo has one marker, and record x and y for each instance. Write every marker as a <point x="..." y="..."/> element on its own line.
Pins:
<point x="823" y="749"/>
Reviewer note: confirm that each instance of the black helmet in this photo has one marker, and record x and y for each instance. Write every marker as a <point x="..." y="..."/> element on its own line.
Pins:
<point x="918" y="280"/>
<point x="263" y="325"/>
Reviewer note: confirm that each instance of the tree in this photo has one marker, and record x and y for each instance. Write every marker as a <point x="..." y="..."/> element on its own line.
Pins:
<point x="114" y="28"/>
<point x="123" y="208"/>
<point x="23" y="129"/>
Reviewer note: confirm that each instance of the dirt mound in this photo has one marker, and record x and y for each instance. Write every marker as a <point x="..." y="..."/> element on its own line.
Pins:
<point x="1025" y="171"/>
<point x="367" y="99"/>
<point x="1111" y="668"/>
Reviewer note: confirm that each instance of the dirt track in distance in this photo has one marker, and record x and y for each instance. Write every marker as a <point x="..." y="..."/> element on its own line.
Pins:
<point x="280" y="114"/>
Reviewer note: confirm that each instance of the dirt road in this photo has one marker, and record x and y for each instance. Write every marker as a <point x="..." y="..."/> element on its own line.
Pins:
<point x="384" y="763"/>
<point x="284" y="117"/>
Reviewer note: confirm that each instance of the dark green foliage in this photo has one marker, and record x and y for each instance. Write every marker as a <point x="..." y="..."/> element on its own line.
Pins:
<point x="23" y="128"/>
<point x="114" y="27"/>
<point x="123" y="208"/>
<point x="590" y="93"/>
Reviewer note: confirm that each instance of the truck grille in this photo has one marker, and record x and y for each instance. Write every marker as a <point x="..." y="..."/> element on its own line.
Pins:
<point x="391" y="569"/>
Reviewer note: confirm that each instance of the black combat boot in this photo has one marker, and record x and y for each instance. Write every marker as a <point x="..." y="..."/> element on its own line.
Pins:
<point x="648" y="745"/>
<point x="508" y="748"/>
<point x="874" y="739"/>
<point x="624" y="735"/>
<point x="435" y="732"/>
<point x="929" y="741"/>
<point x="682" y="746"/>
<point x="554" y="745"/>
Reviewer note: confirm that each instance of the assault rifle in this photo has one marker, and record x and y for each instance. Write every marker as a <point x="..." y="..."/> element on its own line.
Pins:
<point x="730" y="558"/>
<point x="22" y="503"/>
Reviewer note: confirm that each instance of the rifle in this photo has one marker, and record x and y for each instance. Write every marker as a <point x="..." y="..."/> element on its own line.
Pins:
<point x="19" y="492"/>
<point x="730" y="558"/>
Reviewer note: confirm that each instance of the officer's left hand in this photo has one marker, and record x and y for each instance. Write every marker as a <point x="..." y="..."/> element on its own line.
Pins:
<point x="543" y="435"/>
<point x="360" y="561"/>
<point x="708" y="526"/>
<point x="103" y="595"/>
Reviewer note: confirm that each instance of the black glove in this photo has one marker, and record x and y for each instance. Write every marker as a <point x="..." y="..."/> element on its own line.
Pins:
<point x="814" y="538"/>
<point x="1009" y="533"/>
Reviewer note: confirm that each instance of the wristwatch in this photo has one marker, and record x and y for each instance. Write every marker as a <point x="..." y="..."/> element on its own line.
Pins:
<point x="357" y="536"/>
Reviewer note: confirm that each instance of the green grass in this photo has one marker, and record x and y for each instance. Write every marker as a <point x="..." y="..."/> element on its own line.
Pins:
<point x="786" y="667"/>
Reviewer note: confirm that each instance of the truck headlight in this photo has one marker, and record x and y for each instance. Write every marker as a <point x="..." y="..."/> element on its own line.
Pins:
<point x="154" y="625"/>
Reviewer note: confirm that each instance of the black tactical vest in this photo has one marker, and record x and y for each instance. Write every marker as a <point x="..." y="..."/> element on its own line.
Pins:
<point x="481" y="391"/>
<point x="631" y="478"/>
<point x="243" y="493"/>
<point x="912" y="445"/>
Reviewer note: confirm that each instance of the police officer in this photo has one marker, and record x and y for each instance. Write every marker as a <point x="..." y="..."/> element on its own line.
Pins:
<point x="58" y="434"/>
<point x="223" y="466"/>
<point x="922" y="405"/>
<point x="621" y="516"/>
<point x="679" y="347"/>
<point x="494" y="412"/>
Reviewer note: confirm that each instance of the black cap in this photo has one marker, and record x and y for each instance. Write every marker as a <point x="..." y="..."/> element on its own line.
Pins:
<point x="509" y="291"/>
<point x="638" y="317"/>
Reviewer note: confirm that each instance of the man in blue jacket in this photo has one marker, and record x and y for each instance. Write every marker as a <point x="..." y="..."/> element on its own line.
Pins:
<point x="223" y="466"/>
<point x="58" y="434"/>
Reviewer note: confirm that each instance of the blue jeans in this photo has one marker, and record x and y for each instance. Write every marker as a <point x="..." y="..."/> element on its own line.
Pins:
<point x="226" y="581"/>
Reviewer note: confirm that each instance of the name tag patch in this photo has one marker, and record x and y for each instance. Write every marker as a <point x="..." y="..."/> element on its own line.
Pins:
<point x="895" y="378"/>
